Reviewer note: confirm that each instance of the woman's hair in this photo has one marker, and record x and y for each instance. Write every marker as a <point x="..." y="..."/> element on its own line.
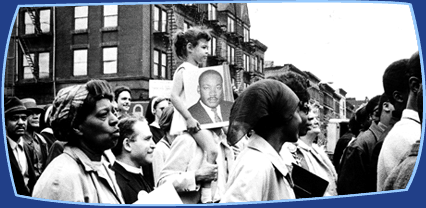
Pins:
<point x="297" y="83"/>
<point x="97" y="90"/>
<point x="192" y="35"/>
<point x="73" y="104"/>
<point x="126" y="131"/>
<point x="165" y="121"/>
<point x="118" y="90"/>
<point x="150" y="117"/>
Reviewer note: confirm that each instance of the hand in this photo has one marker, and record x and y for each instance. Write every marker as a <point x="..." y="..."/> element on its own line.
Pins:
<point x="192" y="125"/>
<point x="207" y="172"/>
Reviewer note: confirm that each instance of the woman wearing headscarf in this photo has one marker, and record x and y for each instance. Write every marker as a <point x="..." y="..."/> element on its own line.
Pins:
<point x="82" y="116"/>
<point x="271" y="110"/>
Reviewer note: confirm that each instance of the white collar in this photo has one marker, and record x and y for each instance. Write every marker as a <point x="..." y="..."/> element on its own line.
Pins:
<point x="130" y="168"/>
<point x="411" y="114"/>
<point x="210" y="112"/>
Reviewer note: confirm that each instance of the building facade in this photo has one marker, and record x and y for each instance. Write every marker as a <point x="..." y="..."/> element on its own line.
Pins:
<point x="54" y="47"/>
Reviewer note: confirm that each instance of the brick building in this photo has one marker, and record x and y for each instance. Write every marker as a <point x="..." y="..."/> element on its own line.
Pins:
<point x="54" y="47"/>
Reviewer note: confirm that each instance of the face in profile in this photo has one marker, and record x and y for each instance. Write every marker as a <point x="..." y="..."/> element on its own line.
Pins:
<point x="313" y="123"/>
<point x="211" y="89"/>
<point x="142" y="145"/>
<point x="303" y="113"/>
<point x="201" y="51"/>
<point x="291" y="128"/>
<point x="123" y="101"/>
<point x="100" y="130"/>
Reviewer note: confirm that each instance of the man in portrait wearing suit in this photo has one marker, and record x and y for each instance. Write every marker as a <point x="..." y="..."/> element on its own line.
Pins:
<point x="211" y="108"/>
<point x="134" y="149"/>
<point x="20" y="154"/>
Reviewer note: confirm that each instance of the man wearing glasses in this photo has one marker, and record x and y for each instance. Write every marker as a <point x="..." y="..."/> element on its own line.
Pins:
<point x="20" y="155"/>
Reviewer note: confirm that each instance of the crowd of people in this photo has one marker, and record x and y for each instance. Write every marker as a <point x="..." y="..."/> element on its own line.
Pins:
<point x="87" y="147"/>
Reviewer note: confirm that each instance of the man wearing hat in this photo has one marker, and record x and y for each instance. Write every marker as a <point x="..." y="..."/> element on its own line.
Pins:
<point x="33" y="138"/>
<point x="20" y="154"/>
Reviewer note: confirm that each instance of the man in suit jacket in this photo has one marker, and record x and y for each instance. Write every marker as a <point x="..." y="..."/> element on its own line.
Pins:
<point x="20" y="154"/>
<point x="134" y="149"/>
<point x="211" y="108"/>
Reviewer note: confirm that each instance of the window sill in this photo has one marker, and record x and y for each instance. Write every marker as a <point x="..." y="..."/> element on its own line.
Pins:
<point x="81" y="31"/>
<point x="109" y="44"/>
<point x="109" y="29"/>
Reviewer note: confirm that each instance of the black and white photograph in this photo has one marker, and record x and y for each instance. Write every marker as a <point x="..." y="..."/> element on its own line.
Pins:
<point x="203" y="103"/>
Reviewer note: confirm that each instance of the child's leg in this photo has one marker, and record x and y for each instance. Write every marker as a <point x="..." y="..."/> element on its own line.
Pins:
<point x="205" y="141"/>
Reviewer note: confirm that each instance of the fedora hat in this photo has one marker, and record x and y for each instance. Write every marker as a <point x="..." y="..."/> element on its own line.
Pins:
<point x="31" y="105"/>
<point x="14" y="105"/>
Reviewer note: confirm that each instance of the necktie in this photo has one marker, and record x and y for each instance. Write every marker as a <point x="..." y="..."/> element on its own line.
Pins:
<point x="216" y="116"/>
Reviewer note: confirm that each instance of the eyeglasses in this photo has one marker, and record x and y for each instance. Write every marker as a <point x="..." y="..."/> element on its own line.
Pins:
<point x="15" y="118"/>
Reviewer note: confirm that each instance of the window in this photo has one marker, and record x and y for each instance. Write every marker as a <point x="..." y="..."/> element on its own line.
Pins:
<point x="186" y="26"/>
<point x="80" y="17"/>
<point x="255" y="64"/>
<point x="231" y="24"/>
<point x="110" y="15"/>
<point x="29" y="26"/>
<point x="43" y="64"/>
<point x="246" y="34"/>
<point x="160" y="64"/>
<point x="80" y="62"/>
<point x="42" y="60"/>
<point x="261" y="65"/>
<point x="213" y="46"/>
<point x="212" y="9"/>
<point x="160" y="19"/>
<point x="110" y="60"/>
<point x="230" y="55"/>
<point x="28" y="69"/>
<point x="246" y="63"/>
<point x="45" y="20"/>
<point x="251" y="64"/>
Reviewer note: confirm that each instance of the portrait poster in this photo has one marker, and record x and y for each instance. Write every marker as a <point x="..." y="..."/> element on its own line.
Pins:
<point x="201" y="97"/>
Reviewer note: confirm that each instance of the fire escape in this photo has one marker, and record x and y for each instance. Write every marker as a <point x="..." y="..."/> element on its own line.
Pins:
<point x="24" y="45"/>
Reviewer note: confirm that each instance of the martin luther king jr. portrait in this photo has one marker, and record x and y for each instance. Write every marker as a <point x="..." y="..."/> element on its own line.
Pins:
<point x="211" y="107"/>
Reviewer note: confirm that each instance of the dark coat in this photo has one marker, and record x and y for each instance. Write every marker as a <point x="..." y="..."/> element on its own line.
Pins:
<point x="355" y="173"/>
<point x="130" y="184"/>
<point x="18" y="178"/>
<point x="199" y="113"/>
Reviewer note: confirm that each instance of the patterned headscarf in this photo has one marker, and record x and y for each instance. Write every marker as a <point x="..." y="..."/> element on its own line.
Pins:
<point x="65" y="108"/>
<point x="263" y="98"/>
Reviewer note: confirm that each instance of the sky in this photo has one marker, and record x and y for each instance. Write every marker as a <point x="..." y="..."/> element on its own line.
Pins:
<point x="349" y="44"/>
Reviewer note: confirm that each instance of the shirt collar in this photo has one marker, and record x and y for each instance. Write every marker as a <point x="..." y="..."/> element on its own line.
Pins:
<point x="301" y="144"/>
<point x="209" y="110"/>
<point x="261" y="145"/>
<point x="130" y="168"/>
<point x="410" y="114"/>
<point x="14" y="144"/>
